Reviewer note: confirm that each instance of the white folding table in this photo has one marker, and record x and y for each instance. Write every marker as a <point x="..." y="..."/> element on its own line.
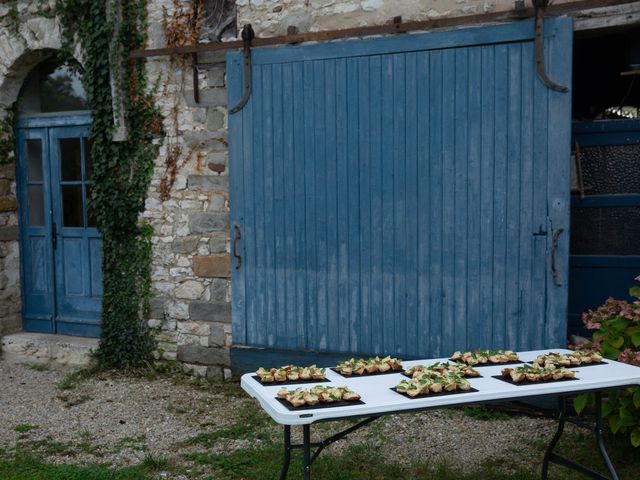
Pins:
<point x="380" y="400"/>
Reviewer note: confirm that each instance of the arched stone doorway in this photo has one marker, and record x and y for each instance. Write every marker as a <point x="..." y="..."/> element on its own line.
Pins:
<point x="58" y="275"/>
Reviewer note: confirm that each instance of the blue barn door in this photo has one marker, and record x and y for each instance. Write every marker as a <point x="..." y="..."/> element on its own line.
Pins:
<point x="60" y="244"/>
<point x="406" y="195"/>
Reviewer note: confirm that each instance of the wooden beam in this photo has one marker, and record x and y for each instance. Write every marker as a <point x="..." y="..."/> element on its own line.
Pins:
<point x="392" y="28"/>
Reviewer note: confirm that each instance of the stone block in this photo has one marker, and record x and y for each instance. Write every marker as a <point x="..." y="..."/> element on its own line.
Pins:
<point x="5" y="187"/>
<point x="212" y="266"/>
<point x="8" y="171"/>
<point x="199" y="355"/>
<point x="215" y="119"/>
<point x="209" y="97"/>
<point x="210" y="311"/>
<point x="8" y="204"/>
<point x="214" y="374"/>
<point x="218" y="335"/>
<point x="218" y="244"/>
<point x="215" y="77"/>
<point x="194" y="328"/>
<point x="208" y="222"/>
<point x="218" y="290"/>
<point x="156" y="306"/>
<point x="9" y="233"/>
<point x="185" y="245"/>
<point x="190" y="290"/>
<point x="208" y="182"/>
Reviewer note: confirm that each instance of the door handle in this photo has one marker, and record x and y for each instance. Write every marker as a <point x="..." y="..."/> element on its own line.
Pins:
<point x="236" y="238"/>
<point x="54" y="235"/>
<point x="554" y="246"/>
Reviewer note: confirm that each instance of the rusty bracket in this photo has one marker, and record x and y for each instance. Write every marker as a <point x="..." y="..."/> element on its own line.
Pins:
<point x="540" y="6"/>
<point x="247" y="36"/>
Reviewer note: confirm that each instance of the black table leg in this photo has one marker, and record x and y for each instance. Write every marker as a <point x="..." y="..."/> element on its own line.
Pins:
<point x="287" y="452"/>
<point x="554" y="441"/>
<point x="306" y="448"/>
<point x="600" y="439"/>
<point x="550" y="456"/>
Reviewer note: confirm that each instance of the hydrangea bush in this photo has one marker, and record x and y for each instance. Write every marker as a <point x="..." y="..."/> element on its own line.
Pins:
<point x="616" y="326"/>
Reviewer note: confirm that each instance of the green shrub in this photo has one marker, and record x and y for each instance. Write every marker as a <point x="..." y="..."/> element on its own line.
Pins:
<point x="617" y="336"/>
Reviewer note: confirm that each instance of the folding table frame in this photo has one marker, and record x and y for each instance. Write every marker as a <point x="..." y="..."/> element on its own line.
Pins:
<point x="595" y="379"/>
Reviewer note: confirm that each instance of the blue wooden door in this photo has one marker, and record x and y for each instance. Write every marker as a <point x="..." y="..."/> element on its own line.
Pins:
<point x="401" y="195"/>
<point x="61" y="246"/>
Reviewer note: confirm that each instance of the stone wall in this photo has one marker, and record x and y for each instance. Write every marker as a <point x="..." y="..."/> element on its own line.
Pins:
<point x="273" y="17"/>
<point x="26" y="37"/>
<point x="191" y="244"/>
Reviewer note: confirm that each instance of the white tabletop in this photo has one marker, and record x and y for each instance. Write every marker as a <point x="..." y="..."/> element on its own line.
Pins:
<point x="378" y="397"/>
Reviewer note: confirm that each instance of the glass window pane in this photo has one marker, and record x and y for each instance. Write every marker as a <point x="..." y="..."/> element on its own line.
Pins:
<point x="610" y="169"/>
<point x="70" y="159"/>
<point x="53" y="86"/>
<point x="88" y="164"/>
<point x="36" y="206"/>
<point x="605" y="231"/>
<point x="72" y="210"/>
<point x="90" y="218"/>
<point x="34" y="160"/>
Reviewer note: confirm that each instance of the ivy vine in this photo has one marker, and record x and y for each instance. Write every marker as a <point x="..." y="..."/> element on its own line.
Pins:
<point x="122" y="170"/>
<point x="7" y="150"/>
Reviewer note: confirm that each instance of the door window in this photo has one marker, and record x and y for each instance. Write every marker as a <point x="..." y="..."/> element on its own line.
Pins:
<point x="34" y="182"/>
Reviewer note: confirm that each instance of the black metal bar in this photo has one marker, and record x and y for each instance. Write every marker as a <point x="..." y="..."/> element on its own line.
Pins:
<point x="338" y="436"/>
<point x="581" y="423"/>
<point x="539" y="49"/>
<point x="247" y="36"/>
<point x="287" y="452"/>
<point x="549" y="456"/>
<point x="306" y="441"/>
<point x="554" y="441"/>
<point x="559" y="460"/>
<point x="600" y="439"/>
<point x="405" y="27"/>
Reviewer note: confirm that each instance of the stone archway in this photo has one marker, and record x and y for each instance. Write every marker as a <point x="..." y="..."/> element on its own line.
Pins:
<point x="22" y="47"/>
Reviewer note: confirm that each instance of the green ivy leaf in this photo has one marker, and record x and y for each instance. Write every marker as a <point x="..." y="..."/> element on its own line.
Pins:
<point x="610" y="352"/>
<point x="616" y="342"/>
<point x="614" y="423"/>
<point x="636" y="398"/>
<point x="635" y="339"/>
<point x="580" y="402"/>
<point x="635" y="437"/>
<point x="635" y="291"/>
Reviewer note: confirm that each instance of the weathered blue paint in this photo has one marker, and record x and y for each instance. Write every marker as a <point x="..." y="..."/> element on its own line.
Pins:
<point x="606" y="132"/>
<point x="62" y="286"/>
<point x="388" y="193"/>
<point x="594" y="278"/>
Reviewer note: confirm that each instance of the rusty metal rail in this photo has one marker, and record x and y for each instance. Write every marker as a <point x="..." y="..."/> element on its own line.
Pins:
<point x="390" y="28"/>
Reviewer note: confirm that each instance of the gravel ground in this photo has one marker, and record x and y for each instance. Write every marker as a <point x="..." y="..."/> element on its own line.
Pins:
<point x="121" y="420"/>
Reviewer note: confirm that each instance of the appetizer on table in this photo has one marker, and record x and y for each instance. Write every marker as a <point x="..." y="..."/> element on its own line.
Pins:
<point x="573" y="359"/>
<point x="433" y="382"/>
<point x="443" y="367"/>
<point x="318" y="394"/>
<point x="485" y="357"/>
<point x="535" y="373"/>
<point x="371" y="366"/>
<point x="290" y="373"/>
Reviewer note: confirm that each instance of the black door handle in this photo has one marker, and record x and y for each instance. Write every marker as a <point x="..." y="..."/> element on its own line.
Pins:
<point x="554" y="246"/>
<point x="236" y="238"/>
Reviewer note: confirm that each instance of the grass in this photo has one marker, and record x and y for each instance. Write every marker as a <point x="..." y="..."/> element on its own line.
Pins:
<point x="25" y="427"/>
<point x="483" y="412"/>
<point x="26" y="466"/>
<point x="250" y="424"/>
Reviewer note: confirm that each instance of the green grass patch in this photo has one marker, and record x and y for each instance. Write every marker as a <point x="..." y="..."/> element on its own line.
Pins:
<point x="251" y="424"/>
<point x="26" y="466"/>
<point x="483" y="412"/>
<point x="25" y="427"/>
